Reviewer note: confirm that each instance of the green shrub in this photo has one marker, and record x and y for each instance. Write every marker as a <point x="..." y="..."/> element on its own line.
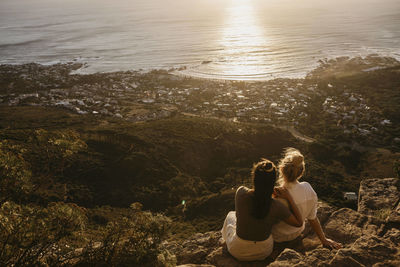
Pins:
<point x="32" y="236"/>
<point x="58" y="235"/>
<point x="130" y="241"/>
<point x="55" y="150"/>
<point x="15" y="174"/>
<point x="29" y="168"/>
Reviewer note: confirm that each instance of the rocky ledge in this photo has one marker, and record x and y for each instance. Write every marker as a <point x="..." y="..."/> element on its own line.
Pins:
<point x="370" y="236"/>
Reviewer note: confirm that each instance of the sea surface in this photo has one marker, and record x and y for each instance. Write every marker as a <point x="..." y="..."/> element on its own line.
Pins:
<point x="222" y="39"/>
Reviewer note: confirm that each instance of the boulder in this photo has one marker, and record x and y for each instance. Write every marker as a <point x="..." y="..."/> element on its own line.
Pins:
<point x="343" y="258"/>
<point x="196" y="249"/>
<point x="288" y="257"/>
<point x="195" y="265"/>
<point x="324" y="212"/>
<point x="309" y="243"/>
<point x="220" y="257"/>
<point x="373" y="249"/>
<point x="394" y="217"/>
<point x="393" y="235"/>
<point x="367" y="251"/>
<point x="378" y="197"/>
<point x="347" y="225"/>
<point x="291" y="257"/>
<point x="393" y="263"/>
<point x="318" y="256"/>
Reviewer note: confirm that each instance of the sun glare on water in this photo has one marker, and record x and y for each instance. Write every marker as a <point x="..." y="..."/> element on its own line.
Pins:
<point x="242" y="38"/>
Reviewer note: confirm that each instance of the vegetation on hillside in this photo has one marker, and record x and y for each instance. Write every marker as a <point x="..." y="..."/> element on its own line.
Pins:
<point x="40" y="226"/>
<point x="104" y="191"/>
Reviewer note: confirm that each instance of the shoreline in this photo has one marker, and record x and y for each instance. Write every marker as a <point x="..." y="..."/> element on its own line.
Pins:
<point x="186" y="71"/>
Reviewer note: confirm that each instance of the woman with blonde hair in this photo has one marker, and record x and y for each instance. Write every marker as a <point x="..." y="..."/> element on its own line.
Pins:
<point x="247" y="230"/>
<point x="291" y="169"/>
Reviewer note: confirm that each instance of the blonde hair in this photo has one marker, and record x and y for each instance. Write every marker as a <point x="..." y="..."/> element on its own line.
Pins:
<point x="291" y="166"/>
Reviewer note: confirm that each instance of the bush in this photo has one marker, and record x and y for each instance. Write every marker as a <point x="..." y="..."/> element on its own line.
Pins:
<point x="15" y="175"/>
<point x="58" y="235"/>
<point x="37" y="161"/>
<point x="55" y="150"/>
<point x="131" y="241"/>
<point x="31" y="236"/>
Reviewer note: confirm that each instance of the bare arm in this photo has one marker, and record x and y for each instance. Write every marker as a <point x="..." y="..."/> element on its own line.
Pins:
<point x="316" y="226"/>
<point x="295" y="219"/>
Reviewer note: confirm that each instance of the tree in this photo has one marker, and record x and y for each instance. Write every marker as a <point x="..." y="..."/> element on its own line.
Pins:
<point x="15" y="174"/>
<point x="56" y="150"/>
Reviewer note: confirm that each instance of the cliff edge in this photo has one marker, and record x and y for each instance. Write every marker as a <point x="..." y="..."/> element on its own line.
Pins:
<point x="370" y="236"/>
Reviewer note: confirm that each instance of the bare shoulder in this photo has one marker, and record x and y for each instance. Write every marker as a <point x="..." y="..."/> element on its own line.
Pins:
<point x="242" y="190"/>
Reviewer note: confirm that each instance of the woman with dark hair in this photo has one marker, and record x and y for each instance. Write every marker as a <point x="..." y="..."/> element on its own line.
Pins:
<point x="247" y="230"/>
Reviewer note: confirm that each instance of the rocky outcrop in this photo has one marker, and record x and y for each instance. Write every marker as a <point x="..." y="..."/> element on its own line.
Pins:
<point x="380" y="198"/>
<point x="196" y="249"/>
<point x="195" y="265"/>
<point x="377" y="195"/>
<point x="370" y="236"/>
<point x="367" y="251"/>
<point x="346" y="226"/>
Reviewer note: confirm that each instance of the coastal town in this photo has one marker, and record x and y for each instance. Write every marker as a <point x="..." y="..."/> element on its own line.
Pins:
<point x="141" y="96"/>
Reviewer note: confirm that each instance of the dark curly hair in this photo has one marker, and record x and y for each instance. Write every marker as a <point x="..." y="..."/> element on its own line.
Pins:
<point x="264" y="178"/>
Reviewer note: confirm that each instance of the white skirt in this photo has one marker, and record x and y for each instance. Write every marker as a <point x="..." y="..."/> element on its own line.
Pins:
<point x="244" y="250"/>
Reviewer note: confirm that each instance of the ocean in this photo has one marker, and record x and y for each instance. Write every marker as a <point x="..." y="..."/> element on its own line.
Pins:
<point x="218" y="39"/>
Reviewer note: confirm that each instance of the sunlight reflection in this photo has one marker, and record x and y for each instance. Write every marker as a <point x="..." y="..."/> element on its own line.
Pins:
<point x="242" y="39"/>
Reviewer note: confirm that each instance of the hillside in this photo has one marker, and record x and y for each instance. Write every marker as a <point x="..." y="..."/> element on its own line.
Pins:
<point x="157" y="163"/>
<point x="158" y="157"/>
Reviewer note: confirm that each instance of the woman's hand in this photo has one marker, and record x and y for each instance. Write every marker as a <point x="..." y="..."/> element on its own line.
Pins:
<point x="329" y="243"/>
<point x="282" y="192"/>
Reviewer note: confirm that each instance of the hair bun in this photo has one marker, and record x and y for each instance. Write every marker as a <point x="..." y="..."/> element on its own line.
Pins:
<point x="268" y="166"/>
<point x="297" y="159"/>
<point x="291" y="166"/>
<point x="264" y="166"/>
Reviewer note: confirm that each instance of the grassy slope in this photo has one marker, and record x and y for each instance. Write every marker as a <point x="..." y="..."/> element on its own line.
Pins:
<point x="157" y="163"/>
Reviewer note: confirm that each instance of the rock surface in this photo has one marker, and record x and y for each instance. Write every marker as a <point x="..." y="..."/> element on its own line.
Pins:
<point x="378" y="195"/>
<point x="195" y="265"/>
<point x="346" y="225"/>
<point x="369" y="237"/>
<point x="196" y="249"/>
